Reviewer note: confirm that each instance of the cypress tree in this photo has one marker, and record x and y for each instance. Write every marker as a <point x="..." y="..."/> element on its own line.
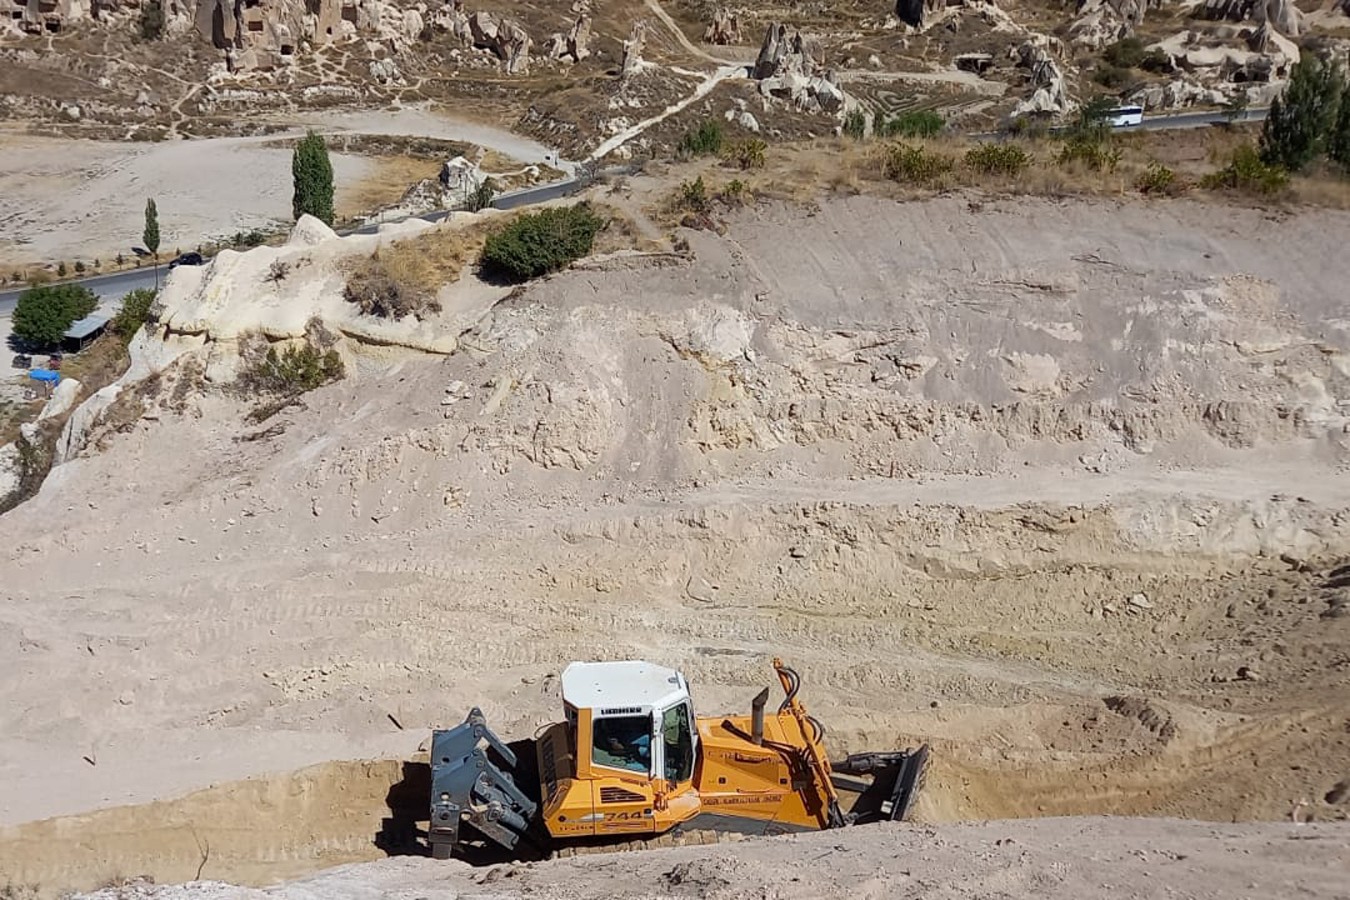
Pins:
<point x="312" y="174"/>
<point x="151" y="235"/>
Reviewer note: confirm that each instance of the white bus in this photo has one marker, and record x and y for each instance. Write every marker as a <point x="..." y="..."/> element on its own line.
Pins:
<point x="1125" y="116"/>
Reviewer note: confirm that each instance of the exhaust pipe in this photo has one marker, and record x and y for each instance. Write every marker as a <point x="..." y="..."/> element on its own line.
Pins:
<point x="757" y="716"/>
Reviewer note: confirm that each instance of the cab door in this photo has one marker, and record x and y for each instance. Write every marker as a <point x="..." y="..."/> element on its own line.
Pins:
<point x="676" y="757"/>
<point x="625" y="754"/>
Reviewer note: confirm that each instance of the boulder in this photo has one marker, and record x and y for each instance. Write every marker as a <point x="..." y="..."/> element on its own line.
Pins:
<point x="61" y="400"/>
<point x="724" y="29"/>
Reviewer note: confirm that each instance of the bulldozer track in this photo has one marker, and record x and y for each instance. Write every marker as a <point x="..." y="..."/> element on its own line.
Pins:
<point x="676" y="838"/>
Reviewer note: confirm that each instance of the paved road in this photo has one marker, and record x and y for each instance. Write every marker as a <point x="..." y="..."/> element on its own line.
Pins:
<point x="1198" y="120"/>
<point x="115" y="286"/>
<point x="112" y="286"/>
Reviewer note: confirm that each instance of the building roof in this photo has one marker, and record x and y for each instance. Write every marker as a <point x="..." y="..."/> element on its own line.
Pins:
<point x="86" y="326"/>
<point x="616" y="688"/>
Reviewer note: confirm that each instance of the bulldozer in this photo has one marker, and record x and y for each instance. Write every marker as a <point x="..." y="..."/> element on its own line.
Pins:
<point x="631" y="762"/>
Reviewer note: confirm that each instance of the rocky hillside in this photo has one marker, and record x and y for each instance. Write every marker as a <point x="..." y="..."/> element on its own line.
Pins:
<point x="574" y="76"/>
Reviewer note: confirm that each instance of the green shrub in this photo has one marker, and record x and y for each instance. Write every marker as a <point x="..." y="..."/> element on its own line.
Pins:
<point x="747" y="154"/>
<point x="705" y="140"/>
<point x="1247" y="171"/>
<point x="1096" y="155"/>
<point x="1156" y="61"/>
<point x="734" y="192"/>
<point x="1032" y="126"/>
<point x="539" y="243"/>
<point x="855" y="124"/>
<point x="902" y="162"/>
<point x="1127" y="52"/>
<point x="44" y="312"/>
<point x="914" y="124"/>
<point x="297" y="370"/>
<point x="1338" y="142"/>
<point x="134" y="312"/>
<point x="1160" y="180"/>
<point x="1093" y="122"/>
<point x="1113" y="77"/>
<point x="693" y="196"/>
<point x="998" y="159"/>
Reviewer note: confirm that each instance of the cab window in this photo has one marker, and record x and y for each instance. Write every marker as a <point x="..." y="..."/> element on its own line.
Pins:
<point x="679" y="743"/>
<point x="623" y="742"/>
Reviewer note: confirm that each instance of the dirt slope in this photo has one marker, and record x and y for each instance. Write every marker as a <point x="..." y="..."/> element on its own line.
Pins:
<point x="1074" y="859"/>
<point x="1057" y="487"/>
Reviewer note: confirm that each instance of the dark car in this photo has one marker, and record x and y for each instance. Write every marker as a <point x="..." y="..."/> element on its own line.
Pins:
<point x="22" y="361"/>
<point x="187" y="259"/>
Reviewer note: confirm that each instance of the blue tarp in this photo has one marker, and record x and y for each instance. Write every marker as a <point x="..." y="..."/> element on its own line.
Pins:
<point x="44" y="375"/>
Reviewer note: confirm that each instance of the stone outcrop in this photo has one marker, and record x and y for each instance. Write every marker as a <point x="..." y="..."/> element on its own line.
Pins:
<point x="45" y="16"/>
<point x="1176" y="94"/>
<point x="575" y="45"/>
<point x="256" y="34"/>
<point x="725" y="28"/>
<point x="1051" y="94"/>
<point x="788" y="68"/>
<point x="632" y="50"/>
<point x="1282" y="14"/>
<point x="918" y="13"/>
<point x="504" y="37"/>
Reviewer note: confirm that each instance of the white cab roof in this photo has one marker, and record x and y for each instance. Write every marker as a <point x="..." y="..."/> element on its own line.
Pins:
<point x="619" y="688"/>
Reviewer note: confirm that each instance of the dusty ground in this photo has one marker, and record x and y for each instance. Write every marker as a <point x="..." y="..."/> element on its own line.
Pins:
<point x="1074" y="859"/>
<point x="1059" y="487"/>
<point x="63" y="199"/>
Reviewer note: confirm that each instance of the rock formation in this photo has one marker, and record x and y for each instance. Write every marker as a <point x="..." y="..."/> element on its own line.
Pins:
<point x="1177" y="93"/>
<point x="916" y="13"/>
<point x="725" y="28"/>
<point x="575" y="45"/>
<point x="504" y="37"/>
<point x="49" y="16"/>
<point x="1282" y="14"/>
<point x="787" y="68"/>
<point x="632" y="49"/>
<point x="1232" y="10"/>
<point x="1051" y="94"/>
<point x="256" y="34"/>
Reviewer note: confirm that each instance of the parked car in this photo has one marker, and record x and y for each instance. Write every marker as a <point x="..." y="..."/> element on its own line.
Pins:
<point x="22" y="361"/>
<point x="187" y="259"/>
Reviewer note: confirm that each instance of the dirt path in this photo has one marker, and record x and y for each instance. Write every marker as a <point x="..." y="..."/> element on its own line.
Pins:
<point x="700" y="91"/>
<point x="678" y="33"/>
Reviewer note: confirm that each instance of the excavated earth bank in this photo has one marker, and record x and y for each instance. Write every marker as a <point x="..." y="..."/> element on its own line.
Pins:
<point x="1060" y="488"/>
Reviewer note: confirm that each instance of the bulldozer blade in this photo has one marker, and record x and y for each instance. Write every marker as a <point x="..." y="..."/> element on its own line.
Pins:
<point x="471" y="783"/>
<point x="896" y="779"/>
